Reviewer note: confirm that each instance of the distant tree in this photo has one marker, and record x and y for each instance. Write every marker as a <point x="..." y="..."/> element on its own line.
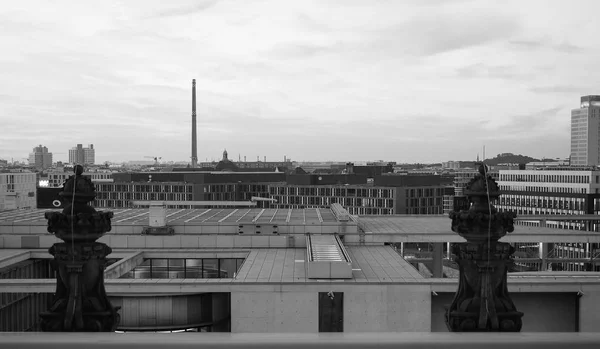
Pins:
<point x="508" y="158"/>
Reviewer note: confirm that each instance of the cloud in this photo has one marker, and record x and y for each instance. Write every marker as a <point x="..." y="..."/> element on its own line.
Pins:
<point x="529" y="125"/>
<point x="548" y="44"/>
<point x="199" y="6"/>
<point x="360" y="79"/>
<point x="299" y="50"/>
<point x="481" y="70"/>
<point x="566" y="89"/>
<point x="433" y="34"/>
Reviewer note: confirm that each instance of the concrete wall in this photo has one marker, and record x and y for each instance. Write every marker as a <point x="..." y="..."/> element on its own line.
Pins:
<point x="589" y="309"/>
<point x="274" y="312"/>
<point x="367" y="308"/>
<point x="544" y="312"/>
<point x="387" y="308"/>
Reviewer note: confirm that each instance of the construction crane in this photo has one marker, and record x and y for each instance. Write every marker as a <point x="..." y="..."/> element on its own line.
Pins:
<point x="156" y="158"/>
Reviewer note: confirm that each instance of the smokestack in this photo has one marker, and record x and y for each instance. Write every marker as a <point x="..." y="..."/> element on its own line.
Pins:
<point x="265" y="159"/>
<point x="194" y="141"/>
<point x="244" y="158"/>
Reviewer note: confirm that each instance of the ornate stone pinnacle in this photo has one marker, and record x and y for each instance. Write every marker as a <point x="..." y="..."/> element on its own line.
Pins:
<point x="482" y="221"/>
<point x="80" y="302"/>
<point x="482" y="302"/>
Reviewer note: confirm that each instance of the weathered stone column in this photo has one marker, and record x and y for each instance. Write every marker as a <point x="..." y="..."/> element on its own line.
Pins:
<point x="80" y="302"/>
<point x="482" y="302"/>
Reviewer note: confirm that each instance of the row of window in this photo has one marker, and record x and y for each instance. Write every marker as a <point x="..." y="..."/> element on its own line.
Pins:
<point x="331" y="191"/>
<point x="532" y="188"/>
<point x="18" y="178"/>
<point x="546" y="178"/>
<point x="351" y="209"/>
<point x="322" y="201"/>
<point x="526" y="201"/>
<point x="190" y="268"/>
<point x="142" y="196"/>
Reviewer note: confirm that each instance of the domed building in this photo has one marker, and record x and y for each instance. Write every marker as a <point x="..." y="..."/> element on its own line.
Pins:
<point x="225" y="164"/>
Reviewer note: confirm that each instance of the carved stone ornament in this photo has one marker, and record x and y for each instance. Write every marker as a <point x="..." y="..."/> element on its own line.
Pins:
<point x="482" y="302"/>
<point x="80" y="302"/>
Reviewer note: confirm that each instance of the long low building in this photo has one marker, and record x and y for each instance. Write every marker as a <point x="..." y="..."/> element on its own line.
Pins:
<point x="277" y="270"/>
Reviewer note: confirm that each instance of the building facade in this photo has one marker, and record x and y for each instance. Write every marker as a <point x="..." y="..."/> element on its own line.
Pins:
<point x="554" y="192"/>
<point x="585" y="132"/>
<point x="185" y="186"/>
<point x="17" y="190"/>
<point x="82" y="156"/>
<point x="387" y="195"/>
<point x="454" y="165"/>
<point x="539" y="192"/>
<point x="57" y="179"/>
<point x="40" y="158"/>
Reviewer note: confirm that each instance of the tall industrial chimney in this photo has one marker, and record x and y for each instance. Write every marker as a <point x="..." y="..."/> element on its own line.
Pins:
<point x="194" y="141"/>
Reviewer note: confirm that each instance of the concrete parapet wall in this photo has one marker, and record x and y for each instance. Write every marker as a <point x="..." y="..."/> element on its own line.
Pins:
<point x="387" y="308"/>
<point x="262" y="312"/>
<point x="589" y="308"/>
<point x="367" y="308"/>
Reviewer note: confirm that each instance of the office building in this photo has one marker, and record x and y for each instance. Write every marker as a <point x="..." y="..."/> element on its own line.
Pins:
<point x="585" y="132"/>
<point x="40" y="158"/>
<point x="387" y="194"/>
<point x="551" y="191"/>
<point x="56" y="179"/>
<point x="82" y="156"/>
<point x="17" y="190"/>
<point x="452" y="165"/>
<point x="185" y="186"/>
<point x="555" y="192"/>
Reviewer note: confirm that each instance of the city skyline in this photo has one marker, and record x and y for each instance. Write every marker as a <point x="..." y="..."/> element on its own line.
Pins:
<point x="418" y="81"/>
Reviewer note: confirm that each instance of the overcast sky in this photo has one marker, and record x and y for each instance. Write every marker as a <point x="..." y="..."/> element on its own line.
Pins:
<point x="406" y="81"/>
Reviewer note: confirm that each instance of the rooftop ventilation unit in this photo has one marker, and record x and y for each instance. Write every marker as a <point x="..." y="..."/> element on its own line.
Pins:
<point x="339" y="212"/>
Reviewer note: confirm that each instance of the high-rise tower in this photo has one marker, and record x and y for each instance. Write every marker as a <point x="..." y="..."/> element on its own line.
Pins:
<point x="194" y="145"/>
<point x="40" y="157"/>
<point x="585" y="132"/>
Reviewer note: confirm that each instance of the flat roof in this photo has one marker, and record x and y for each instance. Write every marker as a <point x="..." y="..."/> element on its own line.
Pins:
<point x="376" y="229"/>
<point x="284" y="269"/>
<point x="370" y="264"/>
<point x="438" y="229"/>
<point x="209" y="216"/>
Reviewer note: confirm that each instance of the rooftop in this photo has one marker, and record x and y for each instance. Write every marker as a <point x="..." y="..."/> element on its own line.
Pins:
<point x="376" y="229"/>
<point x="437" y="229"/>
<point x="191" y="216"/>
<point x="370" y="265"/>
